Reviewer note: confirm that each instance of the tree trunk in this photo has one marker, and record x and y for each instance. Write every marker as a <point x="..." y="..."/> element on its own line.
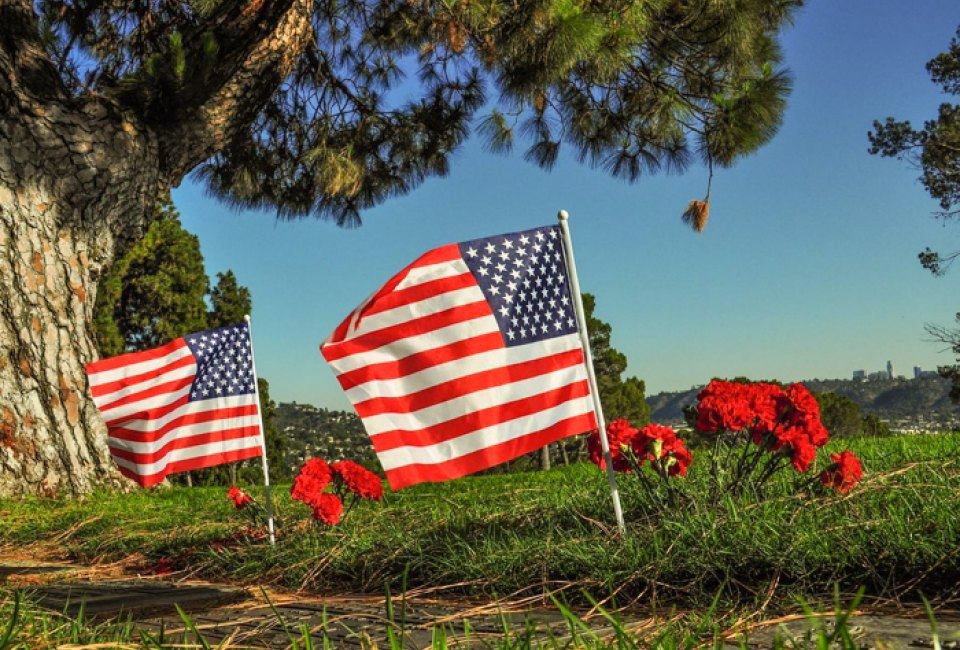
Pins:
<point x="74" y="182"/>
<point x="545" y="457"/>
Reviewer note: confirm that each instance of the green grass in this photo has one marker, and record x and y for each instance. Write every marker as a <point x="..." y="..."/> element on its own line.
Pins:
<point x="897" y="535"/>
<point x="26" y="626"/>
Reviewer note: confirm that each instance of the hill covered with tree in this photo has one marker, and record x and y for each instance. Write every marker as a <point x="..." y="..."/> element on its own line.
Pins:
<point x="315" y="431"/>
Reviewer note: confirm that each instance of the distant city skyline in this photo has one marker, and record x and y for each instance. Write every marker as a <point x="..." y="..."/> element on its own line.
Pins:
<point x="807" y="267"/>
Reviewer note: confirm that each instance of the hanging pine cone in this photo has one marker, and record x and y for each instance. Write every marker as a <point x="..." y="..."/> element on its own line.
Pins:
<point x="696" y="214"/>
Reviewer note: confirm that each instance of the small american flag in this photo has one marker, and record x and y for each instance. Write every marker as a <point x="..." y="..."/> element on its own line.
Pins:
<point x="186" y="405"/>
<point x="467" y="358"/>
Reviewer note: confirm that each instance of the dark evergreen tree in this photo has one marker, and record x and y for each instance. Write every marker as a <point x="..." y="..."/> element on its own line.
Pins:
<point x="155" y="292"/>
<point x="303" y="107"/>
<point x="230" y="301"/>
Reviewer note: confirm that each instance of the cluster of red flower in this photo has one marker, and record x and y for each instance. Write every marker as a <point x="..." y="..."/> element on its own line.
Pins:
<point x="654" y="443"/>
<point x="345" y="476"/>
<point x="782" y="420"/>
<point x="240" y="498"/>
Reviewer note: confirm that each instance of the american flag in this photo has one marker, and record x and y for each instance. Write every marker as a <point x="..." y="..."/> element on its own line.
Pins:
<point x="467" y="358"/>
<point x="186" y="405"/>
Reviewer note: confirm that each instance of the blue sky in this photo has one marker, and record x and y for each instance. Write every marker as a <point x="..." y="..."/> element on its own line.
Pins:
<point x="807" y="267"/>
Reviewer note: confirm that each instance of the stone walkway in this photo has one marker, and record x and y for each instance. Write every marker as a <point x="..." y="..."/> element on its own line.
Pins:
<point x="247" y="619"/>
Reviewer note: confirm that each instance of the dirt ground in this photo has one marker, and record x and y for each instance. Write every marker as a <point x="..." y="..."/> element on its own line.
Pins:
<point x="264" y="618"/>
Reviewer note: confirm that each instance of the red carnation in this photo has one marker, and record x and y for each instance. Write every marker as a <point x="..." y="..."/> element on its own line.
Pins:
<point x="802" y="454"/>
<point x="660" y="444"/>
<point x="359" y="479"/>
<point x="240" y="498"/>
<point x="318" y="469"/>
<point x="683" y="459"/>
<point x="619" y="432"/>
<point x="652" y="442"/>
<point x="314" y="476"/>
<point x="844" y="474"/>
<point x="327" y="508"/>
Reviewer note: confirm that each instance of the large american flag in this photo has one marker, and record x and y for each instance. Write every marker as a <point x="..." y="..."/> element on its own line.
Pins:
<point x="186" y="405"/>
<point x="467" y="358"/>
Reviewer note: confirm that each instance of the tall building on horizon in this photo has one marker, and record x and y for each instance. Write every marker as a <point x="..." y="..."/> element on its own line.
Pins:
<point x="890" y="374"/>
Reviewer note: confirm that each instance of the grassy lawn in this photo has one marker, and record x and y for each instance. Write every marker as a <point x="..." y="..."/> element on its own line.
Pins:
<point x="897" y="534"/>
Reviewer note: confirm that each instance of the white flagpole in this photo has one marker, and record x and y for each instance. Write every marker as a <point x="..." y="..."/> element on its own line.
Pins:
<point x="263" y="435"/>
<point x="562" y="217"/>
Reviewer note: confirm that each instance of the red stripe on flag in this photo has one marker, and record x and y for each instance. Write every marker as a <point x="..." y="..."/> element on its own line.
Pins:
<point x="148" y="414"/>
<point x="146" y="458"/>
<point x="482" y="419"/>
<point x="135" y="357"/>
<point x="436" y="256"/>
<point x="467" y="384"/>
<point x="133" y="435"/>
<point x="155" y="390"/>
<point x="489" y="456"/>
<point x="413" y="327"/>
<point x="113" y="386"/>
<point x="191" y="464"/>
<point x="421" y="360"/>
<point x="422" y="291"/>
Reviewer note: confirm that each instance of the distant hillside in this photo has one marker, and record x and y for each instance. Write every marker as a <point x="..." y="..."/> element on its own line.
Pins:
<point x="914" y="404"/>
<point x="331" y="435"/>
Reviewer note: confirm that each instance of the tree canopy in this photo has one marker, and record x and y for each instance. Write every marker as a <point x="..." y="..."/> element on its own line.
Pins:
<point x="373" y="97"/>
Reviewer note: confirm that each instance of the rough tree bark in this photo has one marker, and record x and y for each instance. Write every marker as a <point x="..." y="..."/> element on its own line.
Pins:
<point x="79" y="177"/>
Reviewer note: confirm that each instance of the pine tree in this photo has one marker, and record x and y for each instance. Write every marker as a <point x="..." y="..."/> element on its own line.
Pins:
<point x="230" y="301"/>
<point x="155" y="292"/>
<point x="315" y="108"/>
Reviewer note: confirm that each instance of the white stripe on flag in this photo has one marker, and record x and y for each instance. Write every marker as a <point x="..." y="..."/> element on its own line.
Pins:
<point x="458" y="368"/>
<point x="419" y="309"/>
<point x="184" y="432"/>
<point x="189" y="453"/>
<point x="472" y="402"/>
<point x="404" y="347"/>
<point x="430" y="272"/>
<point x="103" y="401"/>
<point x="482" y="438"/>
<point x="115" y="415"/>
<point x="136" y="369"/>
<point x="190" y="408"/>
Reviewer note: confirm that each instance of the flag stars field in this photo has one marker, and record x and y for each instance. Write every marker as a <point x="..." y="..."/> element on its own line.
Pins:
<point x="529" y="313"/>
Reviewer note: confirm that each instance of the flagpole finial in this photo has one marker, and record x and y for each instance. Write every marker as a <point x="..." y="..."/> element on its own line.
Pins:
<point x="246" y="317"/>
<point x="562" y="215"/>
